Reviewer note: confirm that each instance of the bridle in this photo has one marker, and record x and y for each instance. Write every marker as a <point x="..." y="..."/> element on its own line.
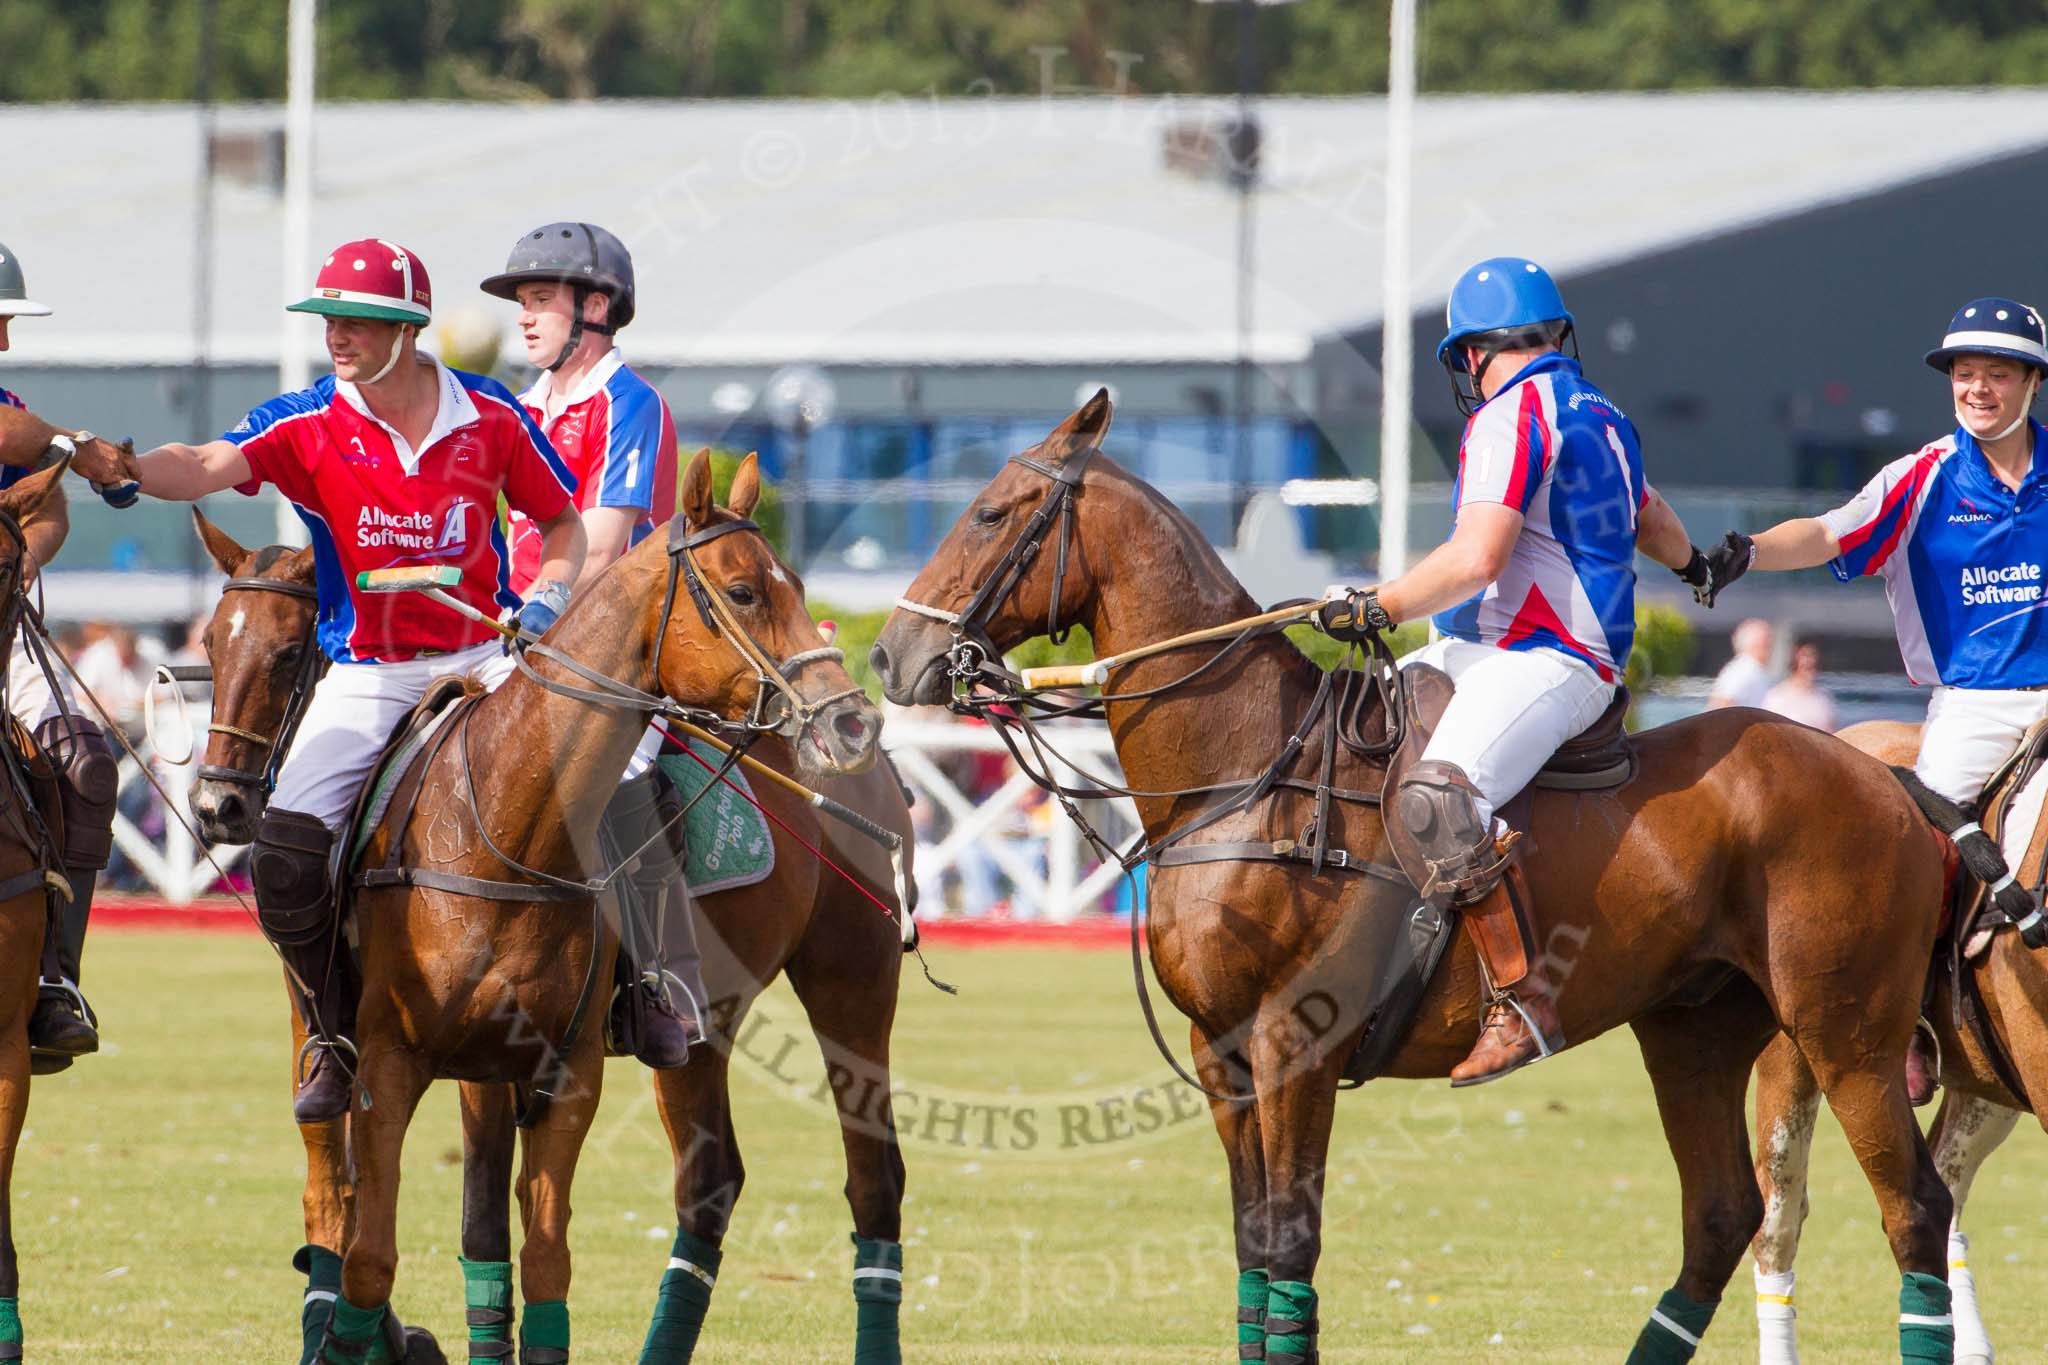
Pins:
<point x="972" y="655"/>
<point x="312" y="665"/>
<point x="772" y="679"/>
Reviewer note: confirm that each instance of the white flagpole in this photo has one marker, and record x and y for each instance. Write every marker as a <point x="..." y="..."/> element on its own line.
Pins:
<point x="1397" y="355"/>
<point x="293" y="370"/>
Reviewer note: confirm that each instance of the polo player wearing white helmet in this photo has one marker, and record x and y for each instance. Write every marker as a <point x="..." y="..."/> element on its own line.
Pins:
<point x="63" y="1025"/>
<point x="392" y="459"/>
<point x="1533" y="603"/>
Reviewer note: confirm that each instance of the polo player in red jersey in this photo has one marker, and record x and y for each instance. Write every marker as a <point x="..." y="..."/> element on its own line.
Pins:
<point x="574" y="286"/>
<point x="394" y="459"/>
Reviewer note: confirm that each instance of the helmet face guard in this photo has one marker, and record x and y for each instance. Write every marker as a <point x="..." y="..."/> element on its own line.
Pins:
<point x="1465" y="383"/>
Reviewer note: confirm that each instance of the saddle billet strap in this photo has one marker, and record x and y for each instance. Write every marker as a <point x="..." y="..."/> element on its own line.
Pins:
<point x="380" y="878"/>
<point x="21" y="883"/>
<point x="1276" y="851"/>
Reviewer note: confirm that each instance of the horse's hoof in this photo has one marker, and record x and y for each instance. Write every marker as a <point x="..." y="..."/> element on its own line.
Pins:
<point x="421" y="1348"/>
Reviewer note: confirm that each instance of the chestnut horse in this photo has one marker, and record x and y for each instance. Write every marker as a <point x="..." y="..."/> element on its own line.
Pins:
<point x="25" y="857"/>
<point x="1718" y="895"/>
<point x="841" y="953"/>
<point x="1978" y="1107"/>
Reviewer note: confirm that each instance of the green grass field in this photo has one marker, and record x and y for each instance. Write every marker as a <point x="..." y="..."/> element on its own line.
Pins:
<point x="157" y="1196"/>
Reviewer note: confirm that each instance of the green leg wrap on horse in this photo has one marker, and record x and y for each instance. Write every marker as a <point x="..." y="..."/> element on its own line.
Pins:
<point x="684" y="1298"/>
<point x="322" y="1269"/>
<point x="487" y="1295"/>
<point x="10" y="1329"/>
<point x="352" y="1332"/>
<point x="1252" y="1291"/>
<point x="1927" y="1333"/>
<point x="544" y="1332"/>
<point x="1290" y="1323"/>
<point x="877" y="1297"/>
<point x="1674" y="1330"/>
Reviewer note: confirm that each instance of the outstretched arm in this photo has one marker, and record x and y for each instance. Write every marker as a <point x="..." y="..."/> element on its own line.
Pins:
<point x="1802" y="543"/>
<point x="1661" y="535"/>
<point x="25" y="438"/>
<point x="182" y="473"/>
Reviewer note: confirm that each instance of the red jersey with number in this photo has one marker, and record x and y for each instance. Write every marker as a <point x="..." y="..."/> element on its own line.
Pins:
<point x="370" y="501"/>
<point x="616" y="436"/>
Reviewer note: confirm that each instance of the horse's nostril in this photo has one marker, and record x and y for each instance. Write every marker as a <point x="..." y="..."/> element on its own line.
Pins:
<point x="878" y="659"/>
<point x="851" y="727"/>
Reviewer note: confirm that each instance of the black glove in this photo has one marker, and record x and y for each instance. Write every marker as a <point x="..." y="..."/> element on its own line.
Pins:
<point x="1355" y="617"/>
<point x="1726" y="562"/>
<point x="1695" y="571"/>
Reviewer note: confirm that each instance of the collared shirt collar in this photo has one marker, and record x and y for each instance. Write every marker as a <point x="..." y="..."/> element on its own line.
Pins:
<point x="1542" y="364"/>
<point x="455" y="410"/>
<point x="1979" y="464"/>
<point x="600" y="375"/>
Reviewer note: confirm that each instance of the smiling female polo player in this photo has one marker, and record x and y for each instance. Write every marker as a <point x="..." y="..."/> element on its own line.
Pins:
<point x="394" y="459"/>
<point x="1956" y="528"/>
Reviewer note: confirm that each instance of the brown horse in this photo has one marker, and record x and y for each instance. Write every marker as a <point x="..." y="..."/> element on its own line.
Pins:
<point x="1714" y="897"/>
<point x="25" y="856"/>
<point x="841" y="951"/>
<point x="1978" y="1109"/>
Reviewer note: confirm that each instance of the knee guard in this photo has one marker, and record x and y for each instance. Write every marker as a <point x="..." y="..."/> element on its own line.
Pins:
<point x="289" y="867"/>
<point x="88" y="782"/>
<point x="1438" y="808"/>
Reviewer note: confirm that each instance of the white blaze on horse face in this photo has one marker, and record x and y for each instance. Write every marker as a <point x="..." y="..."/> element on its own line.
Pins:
<point x="236" y="622"/>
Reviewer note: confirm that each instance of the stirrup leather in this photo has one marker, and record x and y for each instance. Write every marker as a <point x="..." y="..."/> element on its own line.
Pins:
<point x="1464" y="875"/>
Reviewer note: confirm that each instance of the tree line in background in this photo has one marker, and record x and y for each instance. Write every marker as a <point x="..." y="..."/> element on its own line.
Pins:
<point x="581" y="49"/>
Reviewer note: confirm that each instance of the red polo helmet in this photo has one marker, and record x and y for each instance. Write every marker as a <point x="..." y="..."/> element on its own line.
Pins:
<point x="371" y="278"/>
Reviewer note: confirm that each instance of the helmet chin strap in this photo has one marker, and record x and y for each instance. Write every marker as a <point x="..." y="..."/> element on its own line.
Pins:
<point x="577" y="327"/>
<point x="390" y="361"/>
<point x="2026" y="408"/>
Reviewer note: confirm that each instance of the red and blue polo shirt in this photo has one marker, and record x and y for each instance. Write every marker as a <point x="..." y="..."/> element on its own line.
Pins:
<point x="1963" y="565"/>
<point x="616" y="436"/>
<point x="12" y="474"/>
<point x="370" y="501"/>
<point x="1557" y="450"/>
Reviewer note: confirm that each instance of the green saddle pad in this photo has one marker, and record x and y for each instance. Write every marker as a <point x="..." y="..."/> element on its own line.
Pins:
<point x="729" y="840"/>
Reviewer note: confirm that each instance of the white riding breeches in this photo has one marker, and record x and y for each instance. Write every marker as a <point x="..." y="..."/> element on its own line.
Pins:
<point x="352" y="713"/>
<point x="1969" y="732"/>
<point x="1512" y="710"/>
<point x="28" y="691"/>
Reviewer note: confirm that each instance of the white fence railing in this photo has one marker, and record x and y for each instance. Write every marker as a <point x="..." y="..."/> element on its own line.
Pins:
<point x="1010" y="845"/>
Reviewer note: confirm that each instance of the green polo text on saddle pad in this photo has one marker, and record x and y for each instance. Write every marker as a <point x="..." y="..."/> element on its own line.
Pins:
<point x="729" y="840"/>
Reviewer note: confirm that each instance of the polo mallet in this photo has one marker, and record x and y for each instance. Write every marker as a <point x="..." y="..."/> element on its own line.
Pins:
<point x="433" y="583"/>
<point x="1095" y="674"/>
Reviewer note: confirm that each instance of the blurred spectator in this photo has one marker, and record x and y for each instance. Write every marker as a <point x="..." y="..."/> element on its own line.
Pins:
<point x="1744" y="679"/>
<point x="1800" y="696"/>
<point x="117" y="667"/>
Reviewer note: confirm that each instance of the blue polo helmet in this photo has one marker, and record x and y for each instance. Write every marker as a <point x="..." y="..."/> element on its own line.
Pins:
<point x="2001" y="327"/>
<point x="1504" y="294"/>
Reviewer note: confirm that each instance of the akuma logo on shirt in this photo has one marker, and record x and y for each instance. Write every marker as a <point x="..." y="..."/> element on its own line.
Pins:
<point x="2009" y="583"/>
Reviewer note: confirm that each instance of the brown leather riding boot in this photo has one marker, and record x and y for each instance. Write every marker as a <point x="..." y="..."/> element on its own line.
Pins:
<point x="1521" y="1022"/>
<point x="63" y="1025"/>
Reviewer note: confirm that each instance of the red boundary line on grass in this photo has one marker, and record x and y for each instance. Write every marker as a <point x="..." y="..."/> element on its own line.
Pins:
<point x="220" y="915"/>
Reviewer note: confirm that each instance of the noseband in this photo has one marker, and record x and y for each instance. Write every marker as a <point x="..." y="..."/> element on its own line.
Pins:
<point x="312" y="664"/>
<point x="771" y="679"/>
<point x="972" y="653"/>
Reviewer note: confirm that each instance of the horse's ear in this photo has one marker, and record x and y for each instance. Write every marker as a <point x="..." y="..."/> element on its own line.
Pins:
<point x="296" y="567"/>
<point x="30" y="496"/>
<point x="223" y="548"/>
<point x="696" y="492"/>
<point x="1084" y="430"/>
<point x="746" y="486"/>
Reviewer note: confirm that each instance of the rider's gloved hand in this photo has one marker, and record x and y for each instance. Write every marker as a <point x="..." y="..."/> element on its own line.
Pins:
<point x="108" y="467"/>
<point x="1726" y="562"/>
<point x="541" y="609"/>
<point x="1354" y="617"/>
<point x="1695" y="573"/>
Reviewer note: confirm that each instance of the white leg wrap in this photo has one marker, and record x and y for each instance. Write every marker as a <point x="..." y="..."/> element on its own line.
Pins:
<point x="1775" y="1315"/>
<point x="1973" y="1345"/>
